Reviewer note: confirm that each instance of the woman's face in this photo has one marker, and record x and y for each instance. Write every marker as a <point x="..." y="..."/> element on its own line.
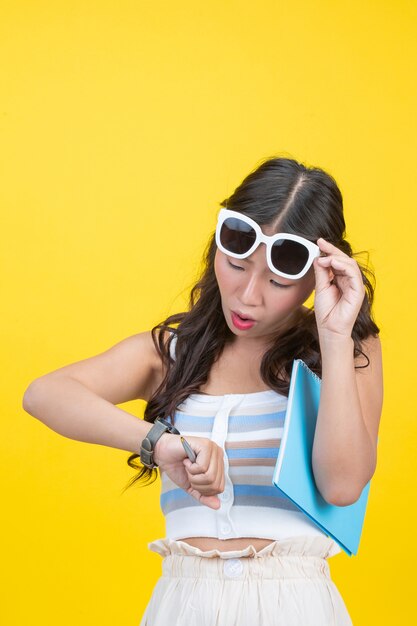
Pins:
<point x="247" y="286"/>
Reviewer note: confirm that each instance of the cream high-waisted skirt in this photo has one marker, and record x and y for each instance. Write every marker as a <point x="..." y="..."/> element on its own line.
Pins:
<point x="287" y="583"/>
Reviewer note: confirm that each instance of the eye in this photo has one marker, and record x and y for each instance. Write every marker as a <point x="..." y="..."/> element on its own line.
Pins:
<point x="274" y="282"/>
<point x="237" y="267"/>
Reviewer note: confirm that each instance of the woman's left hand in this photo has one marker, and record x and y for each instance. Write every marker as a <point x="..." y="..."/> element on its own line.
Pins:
<point x="339" y="290"/>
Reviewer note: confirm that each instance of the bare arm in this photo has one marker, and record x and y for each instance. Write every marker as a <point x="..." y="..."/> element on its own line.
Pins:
<point x="78" y="400"/>
<point x="70" y="409"/>
<point x="345" y="442"/>
<point x="344" y="454"/>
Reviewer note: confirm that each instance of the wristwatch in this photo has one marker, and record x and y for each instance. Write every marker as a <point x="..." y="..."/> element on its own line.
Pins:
<point x="147" y="447"/>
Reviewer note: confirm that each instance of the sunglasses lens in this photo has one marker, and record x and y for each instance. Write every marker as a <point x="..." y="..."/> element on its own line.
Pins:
<point x="236" y="235"/>
<point x="289" y="256"/>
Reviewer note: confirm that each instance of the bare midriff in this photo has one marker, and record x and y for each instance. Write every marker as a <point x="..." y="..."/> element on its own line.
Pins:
<point x="225" y="545"/>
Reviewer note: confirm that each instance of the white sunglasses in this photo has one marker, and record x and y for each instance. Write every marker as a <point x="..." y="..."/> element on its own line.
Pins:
<point x="287" y="255"/>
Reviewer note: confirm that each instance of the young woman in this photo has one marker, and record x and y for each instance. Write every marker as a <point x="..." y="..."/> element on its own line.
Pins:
<point x="236" y="552"/>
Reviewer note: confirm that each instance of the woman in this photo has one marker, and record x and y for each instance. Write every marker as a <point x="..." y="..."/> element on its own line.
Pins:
<point x="236" y="552"/>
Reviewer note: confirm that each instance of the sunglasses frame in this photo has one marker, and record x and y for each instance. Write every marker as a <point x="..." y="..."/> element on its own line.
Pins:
<point x="268" y="240"/>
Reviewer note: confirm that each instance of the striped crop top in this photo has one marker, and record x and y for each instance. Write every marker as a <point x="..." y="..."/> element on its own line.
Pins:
<point x="249" y="428"/>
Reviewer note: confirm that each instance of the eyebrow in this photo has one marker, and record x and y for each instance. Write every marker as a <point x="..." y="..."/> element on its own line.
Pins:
<point x="248" y="260"/>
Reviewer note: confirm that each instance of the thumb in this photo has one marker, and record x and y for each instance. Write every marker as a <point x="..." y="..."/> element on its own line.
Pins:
<point x="212" y="502"/>
<point x="187" y="463"/>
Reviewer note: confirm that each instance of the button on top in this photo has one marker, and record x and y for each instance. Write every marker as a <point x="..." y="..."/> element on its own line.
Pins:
<point x="225" y="528"/>
<point x="233" y="567"/>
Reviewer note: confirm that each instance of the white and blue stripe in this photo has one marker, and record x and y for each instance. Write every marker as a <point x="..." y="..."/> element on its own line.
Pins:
<point x="249" y="428"/>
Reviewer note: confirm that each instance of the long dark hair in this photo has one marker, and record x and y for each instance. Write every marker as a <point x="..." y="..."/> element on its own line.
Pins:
<point x="302" y="200"/>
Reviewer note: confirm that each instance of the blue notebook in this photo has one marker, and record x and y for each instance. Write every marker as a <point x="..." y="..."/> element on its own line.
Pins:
<point x="293" y="473"/>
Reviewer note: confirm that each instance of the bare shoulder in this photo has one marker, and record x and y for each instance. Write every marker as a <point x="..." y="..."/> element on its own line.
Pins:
<point x="129" y="370"/>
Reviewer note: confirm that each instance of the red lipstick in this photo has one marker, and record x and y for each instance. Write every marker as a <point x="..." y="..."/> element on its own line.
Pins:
<point x="242" y="323"/>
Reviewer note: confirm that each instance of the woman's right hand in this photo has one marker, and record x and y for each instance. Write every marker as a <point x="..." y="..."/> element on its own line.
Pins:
<point x="202" y="479"/>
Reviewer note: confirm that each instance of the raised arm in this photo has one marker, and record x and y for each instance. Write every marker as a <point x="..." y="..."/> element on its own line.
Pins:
<point x="345" y="442"/>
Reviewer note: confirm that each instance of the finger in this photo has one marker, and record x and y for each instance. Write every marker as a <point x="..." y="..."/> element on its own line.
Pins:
<point x="206" y="490"/>
<point x="208" y="477"/>
<point x="212" y="482"/>
<point x="323" y="275"/>
<point x="201" y="464"/>
<point x="211" y="501"/>
<point x="338" y="264"/>
<point x="346" y="272"/>
<point x="188" y="464"/>
<point x="328" y="248"/>
<point x="344" y="267"/>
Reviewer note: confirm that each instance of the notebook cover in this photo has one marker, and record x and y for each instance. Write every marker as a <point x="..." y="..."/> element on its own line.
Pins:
<point x="293" y="473"/>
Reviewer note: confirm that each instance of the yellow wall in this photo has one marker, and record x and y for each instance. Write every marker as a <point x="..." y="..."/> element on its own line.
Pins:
<point x="123" y="125"/>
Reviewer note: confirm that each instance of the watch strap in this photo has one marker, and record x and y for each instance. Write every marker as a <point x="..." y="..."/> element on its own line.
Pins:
<point x="147" y="447"/>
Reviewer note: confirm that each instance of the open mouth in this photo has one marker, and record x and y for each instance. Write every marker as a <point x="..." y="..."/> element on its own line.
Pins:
<point x="245" y="318"/>
<point x="242" y="323"/>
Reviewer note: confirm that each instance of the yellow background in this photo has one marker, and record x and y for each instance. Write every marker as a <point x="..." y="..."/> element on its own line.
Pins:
<point x="123" y="125"/>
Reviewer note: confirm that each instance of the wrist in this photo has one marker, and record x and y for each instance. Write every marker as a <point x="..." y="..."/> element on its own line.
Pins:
<point x="327" y="337"/>
<point x="334" y="347"/>
<point x="160" y="427"/>
<point x="159" y="448"/>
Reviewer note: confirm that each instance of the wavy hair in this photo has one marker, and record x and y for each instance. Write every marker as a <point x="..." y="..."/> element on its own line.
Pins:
<point x="302" y="200"/>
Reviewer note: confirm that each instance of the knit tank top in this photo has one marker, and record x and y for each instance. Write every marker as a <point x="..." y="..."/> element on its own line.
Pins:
<point x="249" y="428"/>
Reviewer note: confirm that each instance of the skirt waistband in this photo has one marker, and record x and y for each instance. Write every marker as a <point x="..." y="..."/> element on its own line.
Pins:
<point x="278" y="560"/>
<point x="308" y="545"/>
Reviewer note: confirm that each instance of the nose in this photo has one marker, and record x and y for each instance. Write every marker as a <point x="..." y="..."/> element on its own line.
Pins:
<point x="251" y="289"/>
<point x="251" y="292"/>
